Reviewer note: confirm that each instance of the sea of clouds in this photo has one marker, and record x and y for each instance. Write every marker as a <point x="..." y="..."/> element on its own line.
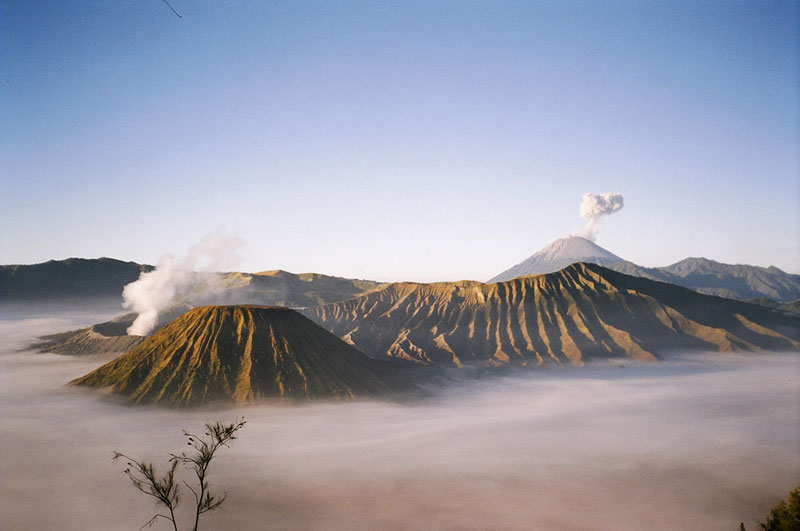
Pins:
<point x="697" y="442"/>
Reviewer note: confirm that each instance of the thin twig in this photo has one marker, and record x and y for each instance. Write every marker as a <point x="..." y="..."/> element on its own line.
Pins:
<point x="172" y="8"/>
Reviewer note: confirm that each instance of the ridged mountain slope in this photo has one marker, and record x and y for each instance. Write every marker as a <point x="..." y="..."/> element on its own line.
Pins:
<point x="557" y="256"/>
<point x="241" y="354"/>
<point x="582" y="312"/>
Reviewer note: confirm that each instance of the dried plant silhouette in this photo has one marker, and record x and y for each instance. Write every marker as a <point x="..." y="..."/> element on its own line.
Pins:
<point x="785" y="516"/>
<point x="166" y="489"/>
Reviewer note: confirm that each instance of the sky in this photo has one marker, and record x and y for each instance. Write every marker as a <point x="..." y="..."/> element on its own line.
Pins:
<point x="408" y="140"/>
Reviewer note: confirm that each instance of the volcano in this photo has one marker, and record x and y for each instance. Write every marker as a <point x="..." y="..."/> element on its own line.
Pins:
<point x="242" y="354"/>
<point x="558" y="255"/>
<point x="583" y="312"/>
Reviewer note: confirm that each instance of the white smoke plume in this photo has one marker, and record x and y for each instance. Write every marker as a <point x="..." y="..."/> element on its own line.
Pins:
<point x="593" y="206"/>
<point x="157" y="290"/>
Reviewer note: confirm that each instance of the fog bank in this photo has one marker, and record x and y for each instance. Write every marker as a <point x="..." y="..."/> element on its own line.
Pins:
<point x="702" y="442"/>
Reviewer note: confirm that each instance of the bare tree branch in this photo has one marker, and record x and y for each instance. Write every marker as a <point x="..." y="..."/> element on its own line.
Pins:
<point x="150" y="522"/>
<point x="166" y="490"/>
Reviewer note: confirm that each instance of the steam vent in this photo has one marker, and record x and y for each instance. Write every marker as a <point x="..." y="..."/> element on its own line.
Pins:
<point x="241" y="354"/>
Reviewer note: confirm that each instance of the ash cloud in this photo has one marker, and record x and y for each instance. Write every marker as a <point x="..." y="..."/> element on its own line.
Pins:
<point x="698" y="443"/>
<point x="174" y="280"/>
<point x="595" y="206"/>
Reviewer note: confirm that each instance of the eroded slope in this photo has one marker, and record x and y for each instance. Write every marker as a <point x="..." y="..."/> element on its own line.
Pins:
<point x="242" y="354"/>
<point x="582" y="312"/>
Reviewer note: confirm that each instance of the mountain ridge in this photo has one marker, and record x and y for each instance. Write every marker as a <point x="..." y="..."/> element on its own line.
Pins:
<point x="582" y="312"/>
<point x="70" y="278"/>
<point x="735" y="281"/>
<point x="89" y="278"/>
<point x="242" y="354"/>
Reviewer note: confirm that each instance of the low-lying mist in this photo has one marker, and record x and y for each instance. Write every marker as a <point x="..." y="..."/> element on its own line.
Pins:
<point x="701" y="442"/>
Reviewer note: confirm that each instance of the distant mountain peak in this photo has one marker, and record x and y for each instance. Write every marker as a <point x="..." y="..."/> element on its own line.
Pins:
<point x="558" y="255"/>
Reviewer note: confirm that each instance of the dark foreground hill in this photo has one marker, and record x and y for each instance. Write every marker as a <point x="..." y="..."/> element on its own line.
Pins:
<point x="71" y="278"/>
<point x="242" y="354"/>
<point x="582" y="312"/>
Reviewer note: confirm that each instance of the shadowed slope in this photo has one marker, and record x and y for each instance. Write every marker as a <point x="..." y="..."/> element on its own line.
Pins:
<point x="64" y="279"/>
<point x="241" y="354"/>
<point x="734" y="281"/>
<point x="581" y="312"/>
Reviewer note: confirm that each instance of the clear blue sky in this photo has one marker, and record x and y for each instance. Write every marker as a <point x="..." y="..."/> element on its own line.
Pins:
<point x="409" y="140"/>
